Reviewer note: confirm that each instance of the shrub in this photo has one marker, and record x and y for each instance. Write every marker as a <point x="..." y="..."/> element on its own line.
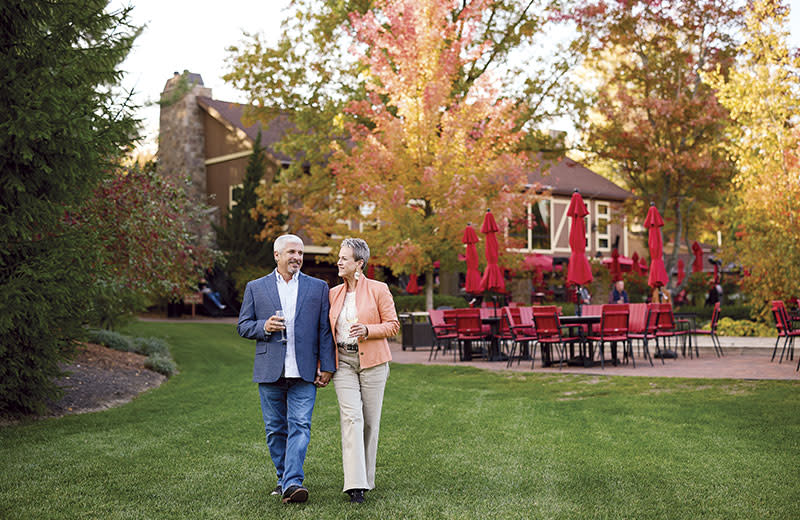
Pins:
<point x="731" y="327"/>
<point x="112" y="339"/>
<point x="161" y="364"/>
<point x="151" y="346"/>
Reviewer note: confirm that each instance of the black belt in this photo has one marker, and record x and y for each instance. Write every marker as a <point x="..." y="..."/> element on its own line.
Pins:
<point x="349" y="347"/>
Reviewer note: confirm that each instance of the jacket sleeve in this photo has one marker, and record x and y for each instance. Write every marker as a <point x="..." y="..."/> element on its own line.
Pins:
<point x="389" y="325"/>
<point x="250" y="327"/>
<point x="327" y="350"/>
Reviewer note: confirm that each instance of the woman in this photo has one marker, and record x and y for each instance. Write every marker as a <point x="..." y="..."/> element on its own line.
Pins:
<point x="362" y="316"/>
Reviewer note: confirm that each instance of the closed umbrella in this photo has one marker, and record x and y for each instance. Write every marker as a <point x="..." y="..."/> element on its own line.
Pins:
<point x="681" y="271"/>
<point x="616" y="269"/>
<point x="697" y="264"/>
<point x="637" y="267"/>
<point x="578" y="272"/>
<point x="493" y="276"/>
<point x="413" y="286"/>
<point x="473" y="283"/>
<point x="654" y="223"/>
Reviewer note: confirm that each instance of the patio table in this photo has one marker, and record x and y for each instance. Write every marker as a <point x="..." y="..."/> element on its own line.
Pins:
<point x="577" y="322"/>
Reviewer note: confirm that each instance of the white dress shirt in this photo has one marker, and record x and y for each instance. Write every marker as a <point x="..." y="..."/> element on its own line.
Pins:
<point x="288" y="295"/>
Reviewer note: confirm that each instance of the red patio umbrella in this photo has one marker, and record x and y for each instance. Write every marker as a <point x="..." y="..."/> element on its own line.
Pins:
<point x="493" y="276"/>
<point x="616" y="269"/>
<point x="697" y="264"/>
<point x="537" y="262"/>
<point x="413" y="286"/>
<point x="578" y="272"/>
<point x="653" y="223"/>
<point x="637" y="267"/>
<point x="681" y="272"/>
<point x="473" y="283"/>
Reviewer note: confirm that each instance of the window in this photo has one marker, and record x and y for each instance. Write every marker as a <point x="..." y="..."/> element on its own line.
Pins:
<point x="531" y="227"/>
<point x="603" y="232"/>
<point x="540" y="225"/>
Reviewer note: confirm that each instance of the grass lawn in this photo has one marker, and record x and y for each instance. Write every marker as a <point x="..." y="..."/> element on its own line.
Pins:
<point x="455" y="443"/>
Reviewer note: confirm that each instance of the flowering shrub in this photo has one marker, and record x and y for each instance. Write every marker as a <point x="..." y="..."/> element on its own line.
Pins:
<point x="731" y="327"/>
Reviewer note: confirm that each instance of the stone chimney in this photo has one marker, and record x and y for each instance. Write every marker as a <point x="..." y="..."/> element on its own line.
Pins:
<point x="181" y="140"/>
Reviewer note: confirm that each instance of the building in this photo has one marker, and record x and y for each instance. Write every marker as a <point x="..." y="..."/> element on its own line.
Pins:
<point x="208" y="140"/>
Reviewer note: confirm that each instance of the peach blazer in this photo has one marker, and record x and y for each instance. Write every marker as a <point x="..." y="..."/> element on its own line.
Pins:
<point x="375" y="310"/>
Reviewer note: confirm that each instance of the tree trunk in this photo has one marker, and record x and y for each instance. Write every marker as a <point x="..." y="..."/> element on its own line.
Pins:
<point x="429" y="289"/>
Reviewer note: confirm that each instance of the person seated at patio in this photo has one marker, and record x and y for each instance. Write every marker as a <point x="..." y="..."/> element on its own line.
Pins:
<point x="618" y="294"/>
<point x="214" y="296"/>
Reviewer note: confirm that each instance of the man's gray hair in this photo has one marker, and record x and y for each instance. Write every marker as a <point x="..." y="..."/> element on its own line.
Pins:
<point x="359" y="247"/>
<point x="281" y="241"/>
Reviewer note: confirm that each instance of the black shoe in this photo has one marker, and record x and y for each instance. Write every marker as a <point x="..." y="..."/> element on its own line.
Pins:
<point x="277" y="490"/>
<point x="295" y="494"/>
<point x="356" y="496"/>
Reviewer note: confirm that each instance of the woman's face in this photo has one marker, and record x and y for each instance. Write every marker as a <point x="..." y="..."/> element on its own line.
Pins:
<point x="347" y="264"/>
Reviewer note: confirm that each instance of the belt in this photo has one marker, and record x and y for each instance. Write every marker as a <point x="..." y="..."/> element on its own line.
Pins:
<point x="349" y="347"/>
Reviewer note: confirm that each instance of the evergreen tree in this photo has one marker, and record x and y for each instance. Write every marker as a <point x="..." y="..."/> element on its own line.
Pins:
<point x="61" y="131"/>
<point x="240" y="238"/>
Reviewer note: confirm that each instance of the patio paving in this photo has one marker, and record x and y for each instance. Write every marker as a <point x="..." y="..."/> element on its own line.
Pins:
<point x="745" y="358"/>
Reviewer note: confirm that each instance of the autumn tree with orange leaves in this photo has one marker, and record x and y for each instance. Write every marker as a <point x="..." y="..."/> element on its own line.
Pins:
<point x="763" y="216"/>
<point x="652" y="119"/>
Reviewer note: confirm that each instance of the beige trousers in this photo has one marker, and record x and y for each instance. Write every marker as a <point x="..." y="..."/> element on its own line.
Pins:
<point x="360" y="394"/>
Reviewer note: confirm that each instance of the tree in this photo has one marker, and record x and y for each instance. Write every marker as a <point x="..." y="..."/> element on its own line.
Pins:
<point x="661" y="128"/>
<point x="142" y="221"/>
<point x="306" y="74"/>
<point x="240" y="237"/>
<point x="62" y="130"/>
<point x="761" y="92"/>
<point x="425" y="158"/>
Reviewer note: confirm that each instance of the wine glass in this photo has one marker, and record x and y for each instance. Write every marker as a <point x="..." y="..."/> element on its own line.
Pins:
<point x="279" y="314"/>
<point x="352" y="319"/>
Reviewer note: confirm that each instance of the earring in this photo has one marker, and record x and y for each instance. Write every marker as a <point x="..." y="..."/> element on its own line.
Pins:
<point x="357" y="274"/>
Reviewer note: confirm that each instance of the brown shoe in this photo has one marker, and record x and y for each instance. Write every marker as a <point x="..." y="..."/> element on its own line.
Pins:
<point x="295" y="494"/>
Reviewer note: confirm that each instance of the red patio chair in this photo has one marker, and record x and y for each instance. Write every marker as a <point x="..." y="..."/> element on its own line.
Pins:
<point x="614" y="329"/>
<point x="784" y="331"/>
<point x="522" y="333"/>
<point x="548" y="333"/>
<point x="443" y="334"/>
<point x="667" y="328"/>
<point x="647" y="330"/>
<point x="468" y="329"/>
<point x="712" y="331"/>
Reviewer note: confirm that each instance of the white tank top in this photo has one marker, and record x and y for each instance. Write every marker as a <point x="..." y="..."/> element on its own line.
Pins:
<point x="347" y="317"/>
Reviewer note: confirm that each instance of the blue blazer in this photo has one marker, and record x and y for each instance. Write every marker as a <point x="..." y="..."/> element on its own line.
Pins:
<point x="312" y="330"/>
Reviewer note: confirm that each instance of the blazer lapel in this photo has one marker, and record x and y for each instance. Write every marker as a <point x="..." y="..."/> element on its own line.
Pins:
<point x="302" y="288"/>
<point x="271" y="286"/>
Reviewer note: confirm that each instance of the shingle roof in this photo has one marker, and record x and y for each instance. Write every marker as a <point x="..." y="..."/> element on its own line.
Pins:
<point x="564" y="175"/>
<point x="233" y="113"/>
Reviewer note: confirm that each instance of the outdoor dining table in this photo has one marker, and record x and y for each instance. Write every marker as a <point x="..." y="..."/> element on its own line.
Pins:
<point x="577" y="322"/>
<point x="494" y="338"/>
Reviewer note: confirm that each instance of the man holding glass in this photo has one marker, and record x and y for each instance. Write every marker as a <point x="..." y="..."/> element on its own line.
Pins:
<point x="294" y="356"/>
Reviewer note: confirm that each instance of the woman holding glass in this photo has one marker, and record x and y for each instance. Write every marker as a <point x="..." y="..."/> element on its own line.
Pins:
<point x="362" y="316"/>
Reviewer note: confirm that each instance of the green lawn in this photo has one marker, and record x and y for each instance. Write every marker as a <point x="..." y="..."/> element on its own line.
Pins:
<point x="455" y="443"/>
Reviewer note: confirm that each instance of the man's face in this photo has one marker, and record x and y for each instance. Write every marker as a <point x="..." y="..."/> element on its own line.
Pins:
<point x="290" y="260"/>
<point x="620" y="286"/>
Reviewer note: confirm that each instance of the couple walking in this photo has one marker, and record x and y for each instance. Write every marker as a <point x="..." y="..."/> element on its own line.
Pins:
<point x="321" y="336"/>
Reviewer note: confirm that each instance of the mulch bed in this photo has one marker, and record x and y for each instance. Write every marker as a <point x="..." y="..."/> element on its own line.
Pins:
<point x="99" y="378"/>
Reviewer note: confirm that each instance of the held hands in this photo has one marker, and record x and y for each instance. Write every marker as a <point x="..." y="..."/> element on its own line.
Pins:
<point x="322" y="379"/>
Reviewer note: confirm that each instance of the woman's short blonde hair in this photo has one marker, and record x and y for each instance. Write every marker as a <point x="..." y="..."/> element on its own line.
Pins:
<point x="359" y="247"/>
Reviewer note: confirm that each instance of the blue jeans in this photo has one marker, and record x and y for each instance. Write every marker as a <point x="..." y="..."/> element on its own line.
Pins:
<point x="286" y="406"/>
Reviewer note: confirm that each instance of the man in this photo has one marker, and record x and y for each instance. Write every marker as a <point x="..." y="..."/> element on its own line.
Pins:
<point x="294" y="356"/>
<point x="619" y="295"/>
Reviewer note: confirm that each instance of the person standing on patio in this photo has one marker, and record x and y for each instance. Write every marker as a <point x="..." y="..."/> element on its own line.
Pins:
<point x="363" y="315"/>
<point x="618" y="294"/>
<point x="294" y="355"/>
